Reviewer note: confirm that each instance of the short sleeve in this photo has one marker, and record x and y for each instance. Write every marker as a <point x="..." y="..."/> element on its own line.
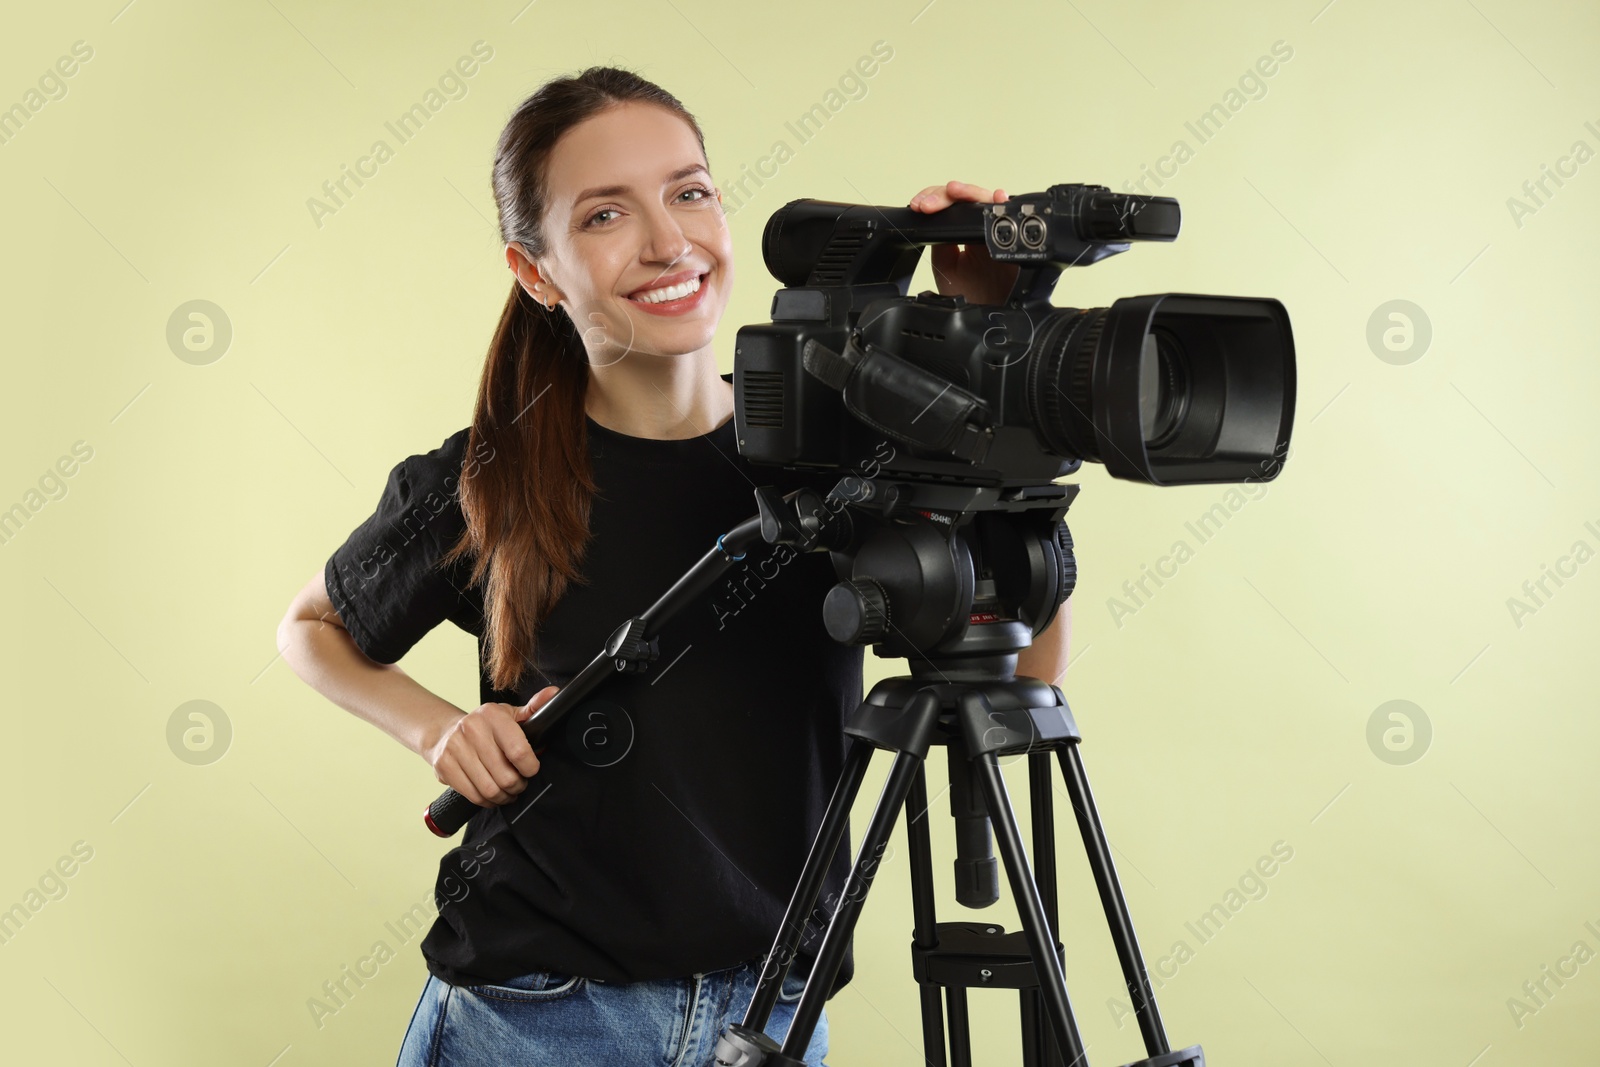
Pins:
<point x="385" y="580"/>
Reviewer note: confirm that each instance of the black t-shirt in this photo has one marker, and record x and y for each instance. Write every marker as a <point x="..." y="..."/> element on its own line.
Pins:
<point x="681" y="855"/>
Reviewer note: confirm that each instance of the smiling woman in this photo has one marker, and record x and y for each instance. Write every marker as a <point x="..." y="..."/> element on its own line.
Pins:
<point x="629" y="905"/>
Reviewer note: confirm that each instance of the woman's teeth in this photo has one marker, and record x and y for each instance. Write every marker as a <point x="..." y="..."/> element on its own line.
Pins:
<point x="671" y="292"/>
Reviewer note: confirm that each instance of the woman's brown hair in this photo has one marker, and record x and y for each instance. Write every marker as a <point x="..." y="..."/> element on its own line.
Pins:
<point x="527" y="508"/>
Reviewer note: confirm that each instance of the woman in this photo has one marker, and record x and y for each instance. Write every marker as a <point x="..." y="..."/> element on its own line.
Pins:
<point x="622" y="908"/>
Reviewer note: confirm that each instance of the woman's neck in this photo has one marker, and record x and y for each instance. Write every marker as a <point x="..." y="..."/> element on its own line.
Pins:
<point x="665" y="398"/>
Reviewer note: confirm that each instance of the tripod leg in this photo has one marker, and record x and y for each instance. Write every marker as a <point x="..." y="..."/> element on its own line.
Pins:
<point x="924" y="932"/>
<point x="1044" y="834"/>
<point x="1105" y="877"/>
<point x="1041" y="938"/>
<point x="1037" y="1049"/>
<point x="960" y="1030"/>
<point x="823" y="848"/>
<point x="848" y="910"/>
<point x="1034" y="1024"/>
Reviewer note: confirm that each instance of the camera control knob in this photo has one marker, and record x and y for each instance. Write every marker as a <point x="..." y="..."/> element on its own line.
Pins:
<point x="856" y="612"/>
<point x="1069" y="562"/>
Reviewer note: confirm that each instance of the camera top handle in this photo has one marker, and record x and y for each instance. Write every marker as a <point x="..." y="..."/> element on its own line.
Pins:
<point x="828" y="243"/>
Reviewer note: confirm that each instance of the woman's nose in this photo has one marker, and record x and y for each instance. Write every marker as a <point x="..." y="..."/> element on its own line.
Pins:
<point x="667" y="243"/>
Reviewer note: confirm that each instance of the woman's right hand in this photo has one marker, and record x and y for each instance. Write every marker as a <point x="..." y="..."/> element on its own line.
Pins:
<point x="485" y="756"/>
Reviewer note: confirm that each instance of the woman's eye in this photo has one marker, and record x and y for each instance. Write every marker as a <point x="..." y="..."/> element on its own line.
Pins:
<point x="704" y="193"/>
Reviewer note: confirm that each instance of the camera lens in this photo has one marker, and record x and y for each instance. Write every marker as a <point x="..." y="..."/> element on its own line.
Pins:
<point x="1169" y="389"/>
<point x="1163" y="388"/>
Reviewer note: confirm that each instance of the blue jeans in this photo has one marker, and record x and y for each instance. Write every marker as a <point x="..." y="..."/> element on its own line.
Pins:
<point x="553" y="1019"/>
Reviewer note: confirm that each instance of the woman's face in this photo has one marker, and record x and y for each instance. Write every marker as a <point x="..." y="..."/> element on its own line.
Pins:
<point x="631" y="208"/>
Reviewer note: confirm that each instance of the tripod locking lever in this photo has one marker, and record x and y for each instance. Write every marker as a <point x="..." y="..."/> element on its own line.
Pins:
<point x="630" y="650"/>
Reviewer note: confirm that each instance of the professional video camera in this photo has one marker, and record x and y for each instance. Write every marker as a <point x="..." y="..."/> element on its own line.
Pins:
<point x="1169" y="389"/>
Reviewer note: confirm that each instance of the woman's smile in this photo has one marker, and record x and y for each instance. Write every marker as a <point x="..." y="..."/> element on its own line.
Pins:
<point x="675" y="298"/>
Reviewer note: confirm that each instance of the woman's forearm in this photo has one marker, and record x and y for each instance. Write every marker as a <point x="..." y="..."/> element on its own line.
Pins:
<point x="1046" y="658"/>
<point x="325" y="657"/>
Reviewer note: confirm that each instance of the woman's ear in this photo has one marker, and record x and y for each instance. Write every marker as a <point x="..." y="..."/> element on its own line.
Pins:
<point x="529" y="278"/>
<point x="515" y="259"/>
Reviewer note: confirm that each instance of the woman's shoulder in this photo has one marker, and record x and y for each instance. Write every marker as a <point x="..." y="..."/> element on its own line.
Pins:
<point x="440" y="470"/>
<point x="428" y="485"/>
<point x="441" y="464"/>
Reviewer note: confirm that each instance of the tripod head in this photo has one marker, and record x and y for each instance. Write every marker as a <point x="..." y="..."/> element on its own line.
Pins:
<point x="955" y="579"/>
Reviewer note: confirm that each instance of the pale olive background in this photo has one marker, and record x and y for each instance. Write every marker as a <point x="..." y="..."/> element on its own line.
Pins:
<point x="1429" y="879"/>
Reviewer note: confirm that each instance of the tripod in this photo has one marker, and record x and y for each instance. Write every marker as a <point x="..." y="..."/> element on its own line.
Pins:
<point x="962" y="571"/>
<point x="978" y="720"/>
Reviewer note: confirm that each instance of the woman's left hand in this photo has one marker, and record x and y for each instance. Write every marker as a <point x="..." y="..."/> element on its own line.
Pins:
<point x="967" y="270"/>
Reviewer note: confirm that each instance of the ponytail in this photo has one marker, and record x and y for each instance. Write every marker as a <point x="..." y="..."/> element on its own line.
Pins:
<point x="527" y="506"/>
